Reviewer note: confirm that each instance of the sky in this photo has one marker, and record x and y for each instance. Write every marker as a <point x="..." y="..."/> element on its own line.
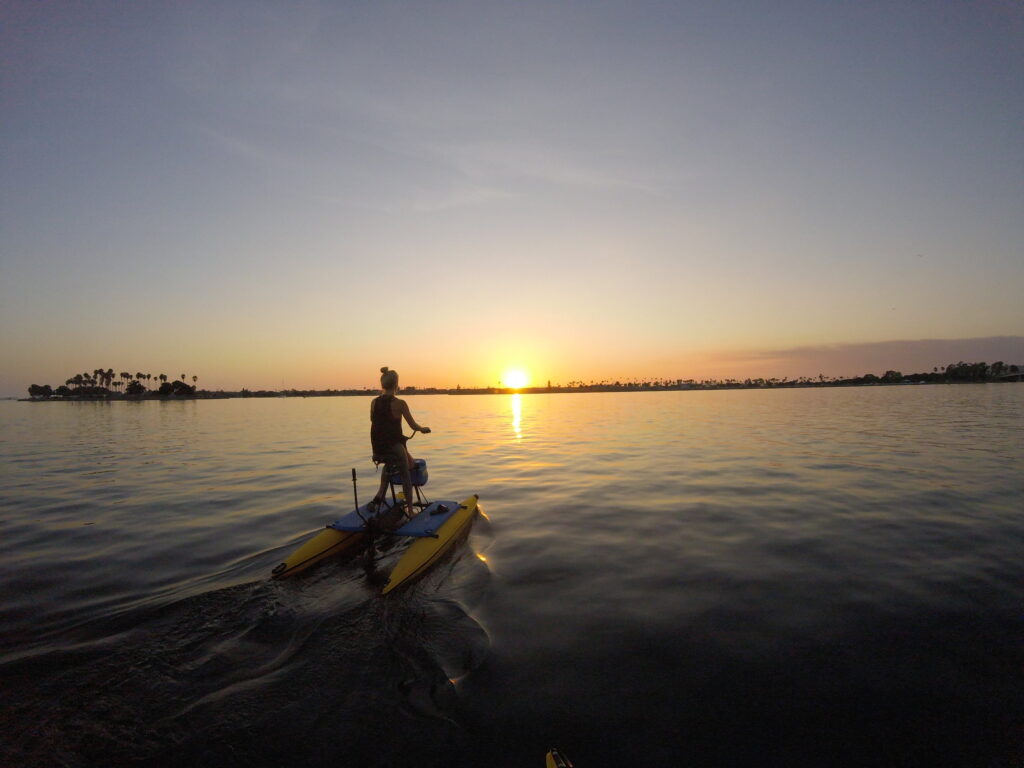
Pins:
<point x="294" y="194"/>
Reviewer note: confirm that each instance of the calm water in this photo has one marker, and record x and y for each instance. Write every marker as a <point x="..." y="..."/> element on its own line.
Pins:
<point x="764" y="578"/>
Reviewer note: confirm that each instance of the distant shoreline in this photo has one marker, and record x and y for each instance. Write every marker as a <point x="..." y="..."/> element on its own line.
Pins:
<point x="409" y="392"/>
<point x="91" y="389"/>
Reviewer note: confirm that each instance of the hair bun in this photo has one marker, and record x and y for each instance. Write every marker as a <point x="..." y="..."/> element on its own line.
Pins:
<point x="384" y="369"/>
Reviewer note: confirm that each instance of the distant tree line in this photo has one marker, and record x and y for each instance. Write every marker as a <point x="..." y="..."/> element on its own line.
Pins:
<point x="103" y="383"/>
<point x="100" y="383"/>
<point x="952" y="373"/>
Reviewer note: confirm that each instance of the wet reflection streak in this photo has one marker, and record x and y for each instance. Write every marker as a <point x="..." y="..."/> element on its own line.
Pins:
<point x="517" y="415"/>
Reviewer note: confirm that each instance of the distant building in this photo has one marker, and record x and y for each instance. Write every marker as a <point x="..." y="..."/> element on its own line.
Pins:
<point x="1013" y="373"/>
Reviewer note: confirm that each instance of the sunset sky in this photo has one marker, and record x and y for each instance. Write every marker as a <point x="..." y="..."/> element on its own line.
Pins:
<point x="293" y="194"/>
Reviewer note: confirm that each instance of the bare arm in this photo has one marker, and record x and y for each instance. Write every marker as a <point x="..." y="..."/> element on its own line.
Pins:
<point x="409" y="419"/>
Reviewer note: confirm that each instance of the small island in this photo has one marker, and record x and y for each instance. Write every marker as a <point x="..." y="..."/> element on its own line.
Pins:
<point x="103" y="385"/>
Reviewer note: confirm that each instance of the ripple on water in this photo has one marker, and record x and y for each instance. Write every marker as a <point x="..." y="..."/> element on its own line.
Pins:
<point x="835" y="570"/>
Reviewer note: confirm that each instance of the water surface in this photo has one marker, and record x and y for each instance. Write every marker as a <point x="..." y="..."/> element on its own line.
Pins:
<point x="784" y="577"/>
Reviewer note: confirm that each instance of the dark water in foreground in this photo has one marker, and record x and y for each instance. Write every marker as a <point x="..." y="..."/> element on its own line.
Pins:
<point x="761" y="578"/>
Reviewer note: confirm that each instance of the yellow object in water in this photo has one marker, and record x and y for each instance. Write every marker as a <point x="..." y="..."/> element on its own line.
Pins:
<point x="325" y="544"/>
<point x="426" y="551"/>
<point x="330" y="542"/>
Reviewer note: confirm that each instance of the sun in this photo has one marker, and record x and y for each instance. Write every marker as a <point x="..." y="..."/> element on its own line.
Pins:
<point x="515" y="379"/>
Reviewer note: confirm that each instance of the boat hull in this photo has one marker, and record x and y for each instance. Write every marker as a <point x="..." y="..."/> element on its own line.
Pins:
<point x="331" y="543"/>
<point x="425" y="551"/>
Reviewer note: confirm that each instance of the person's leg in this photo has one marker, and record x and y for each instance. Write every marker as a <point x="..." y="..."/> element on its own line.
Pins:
<point x="382" y="492"/>
<point x="403" y="469"/>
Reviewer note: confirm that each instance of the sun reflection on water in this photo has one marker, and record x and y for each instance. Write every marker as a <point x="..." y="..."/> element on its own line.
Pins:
<point x="517" y="415"/>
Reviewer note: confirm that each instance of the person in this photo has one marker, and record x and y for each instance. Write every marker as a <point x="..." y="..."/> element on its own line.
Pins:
<point x="386" y="438"/>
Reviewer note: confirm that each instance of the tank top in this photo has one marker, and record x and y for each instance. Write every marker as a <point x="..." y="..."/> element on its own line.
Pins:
<point x="385" y="429"/>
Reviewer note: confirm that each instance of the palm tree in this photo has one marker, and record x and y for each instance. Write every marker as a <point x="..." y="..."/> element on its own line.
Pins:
<point x="183" y="378"/>
<point x="194" y="380"/>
